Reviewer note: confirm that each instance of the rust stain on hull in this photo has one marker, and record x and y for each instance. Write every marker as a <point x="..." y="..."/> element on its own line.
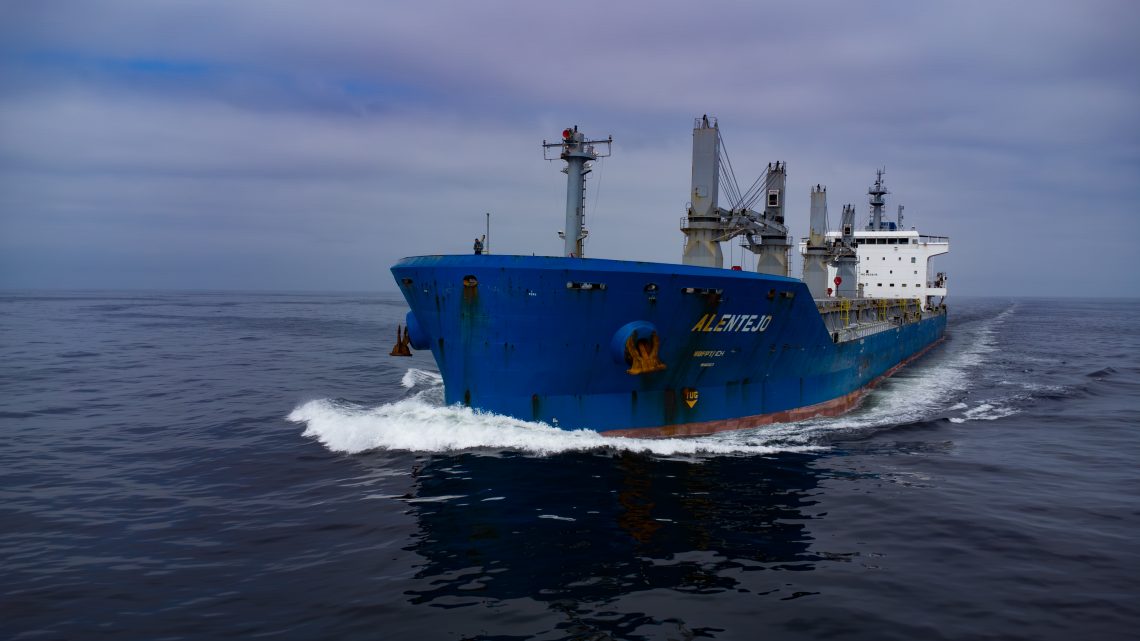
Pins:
<point x="834" y="407"/>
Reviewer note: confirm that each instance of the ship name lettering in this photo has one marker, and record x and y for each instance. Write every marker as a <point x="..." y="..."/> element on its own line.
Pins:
<point x="732" y="323"/>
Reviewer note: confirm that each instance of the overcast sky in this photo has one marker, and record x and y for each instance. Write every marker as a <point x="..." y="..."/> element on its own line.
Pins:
<point x="309" y="145"/>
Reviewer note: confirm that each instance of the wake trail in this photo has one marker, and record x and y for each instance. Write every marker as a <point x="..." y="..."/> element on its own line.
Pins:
<point x="922" y="391"/>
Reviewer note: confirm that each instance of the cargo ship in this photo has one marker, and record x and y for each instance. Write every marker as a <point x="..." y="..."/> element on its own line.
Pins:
<point x="643" y="349"/>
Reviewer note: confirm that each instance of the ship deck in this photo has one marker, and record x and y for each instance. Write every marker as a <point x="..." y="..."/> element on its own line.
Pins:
<point x="853" y="319"/>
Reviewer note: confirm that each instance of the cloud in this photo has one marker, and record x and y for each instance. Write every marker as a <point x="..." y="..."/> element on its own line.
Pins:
<point x="285" y="145"/>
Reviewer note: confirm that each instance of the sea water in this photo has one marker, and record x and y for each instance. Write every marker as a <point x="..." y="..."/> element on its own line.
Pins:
<point x="202" y="465"/>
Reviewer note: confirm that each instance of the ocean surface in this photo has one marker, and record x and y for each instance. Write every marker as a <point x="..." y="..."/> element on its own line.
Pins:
<point x="212" y="465"/>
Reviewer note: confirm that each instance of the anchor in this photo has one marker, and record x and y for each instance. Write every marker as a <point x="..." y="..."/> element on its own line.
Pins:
<point x="403" y="342"/>
<point x="642" y="354"/>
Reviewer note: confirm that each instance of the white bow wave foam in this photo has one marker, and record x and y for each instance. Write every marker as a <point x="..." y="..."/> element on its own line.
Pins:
<point x="421" y="423"/>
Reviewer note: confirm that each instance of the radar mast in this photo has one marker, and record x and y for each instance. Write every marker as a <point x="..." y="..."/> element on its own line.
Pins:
<point x="578" y="154"/>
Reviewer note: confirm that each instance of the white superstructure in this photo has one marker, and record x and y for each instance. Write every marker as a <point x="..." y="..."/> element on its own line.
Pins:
<point x="893" y="263"/>
<point x="896" y="264"/>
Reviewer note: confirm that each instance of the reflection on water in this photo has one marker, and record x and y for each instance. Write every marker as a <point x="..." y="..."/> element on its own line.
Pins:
<point x="588" y="528"/>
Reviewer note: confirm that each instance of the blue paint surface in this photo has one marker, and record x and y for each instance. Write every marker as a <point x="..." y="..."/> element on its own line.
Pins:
<point x="534" y="338"/>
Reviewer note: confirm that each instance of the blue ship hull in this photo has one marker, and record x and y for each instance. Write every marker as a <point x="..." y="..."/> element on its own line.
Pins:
<point x="549" y="339"/>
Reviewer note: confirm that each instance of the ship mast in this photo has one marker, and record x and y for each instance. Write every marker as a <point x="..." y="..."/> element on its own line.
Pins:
<point x="876" y="192"/>
<point x="578" y="153"/>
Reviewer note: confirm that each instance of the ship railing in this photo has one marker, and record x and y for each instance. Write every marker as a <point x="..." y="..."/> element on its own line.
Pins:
<point x="854" y="332"/>
<point x="689" y="222"/>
